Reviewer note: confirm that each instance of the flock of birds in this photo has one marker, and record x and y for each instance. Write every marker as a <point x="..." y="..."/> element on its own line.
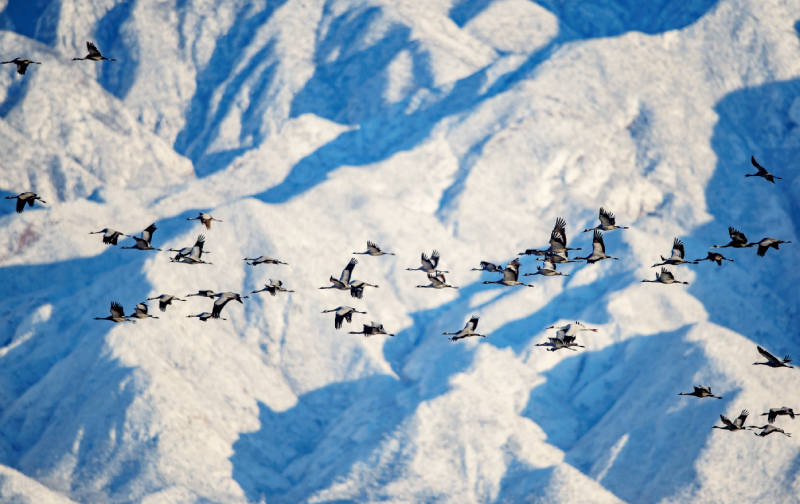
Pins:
<point x="556" y="254"/>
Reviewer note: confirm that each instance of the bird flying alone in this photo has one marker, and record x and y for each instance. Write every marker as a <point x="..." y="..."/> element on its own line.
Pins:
<point x="94" y="54"/>
<point x="110" y="236"/>
<point x="343" y="313"/>
<point x="26" y="197"/>
<point x="467" y="332"/>
<point x="205" y="219"/>
<point x="762" y="172"/>
<point x="773" y="361"/>
<point x="22" y="64"/>
<point x="701" y="391"/>
<point x="373" y="250"/>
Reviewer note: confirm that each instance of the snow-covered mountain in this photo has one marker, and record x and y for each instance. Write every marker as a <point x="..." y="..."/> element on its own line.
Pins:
<point x="311" y="126"/>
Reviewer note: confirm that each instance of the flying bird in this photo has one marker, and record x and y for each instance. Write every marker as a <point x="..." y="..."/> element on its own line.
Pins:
<point x="776" y="412"/>
<point x="714" y="257"/>
<point x="429" y="264"/>
<point x="373" y="250"/>
<point x="203" y="316"/>
<point x="357" y="288"/>
<point x="22" y="64"/>
<point x="665" y="277"/>
<point x="110" y="236"/>
<point x="678" y="253"/>
<point x="490" y="267"/>
<point x="571" y="329"/>
<point x="736" y="425"/>
<point x="761" y="171"/>
<point x="222" y="300"/>
<point x="164" y="300"/>
<point x="701" y="391"/>
<point x="141" y="312"/>
<point x="549" y="269"/>
<point x="205" y="219"/>
<point x="203" y="293"/>
<point x="467" y="332"/>
<point x="372" y="329"/>
<point x="563" y="341"/>
<point x="274" y="287"/>
<point x="598" y="250"/>
<point x="143" y="243"/>
<point x="510" y="275"/>
<point x="117" y="314"/>
<point x="343" y="313"/>
<point x="773" y="361"/>
<point x="558" y="241"/>
<point x="557" y="258"/>
<point x="437" y="282"/>
<point x="195" y="254"/>
<point x="738" y="240"/>
<point x="766" y="243"/>
<point x="94" y="54"/>
<point x="344" y="279"/>
<point x="26" y="197"/>
<point x="607" y="222"/>
<point x="263" y="260"/>
<point x="769" y="428"/>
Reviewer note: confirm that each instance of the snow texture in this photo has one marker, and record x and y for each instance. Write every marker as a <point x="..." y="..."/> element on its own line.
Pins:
<point x="467" y="126"/>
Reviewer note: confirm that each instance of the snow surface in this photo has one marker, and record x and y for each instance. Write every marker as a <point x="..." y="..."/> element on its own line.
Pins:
<point x="309" y="127"/>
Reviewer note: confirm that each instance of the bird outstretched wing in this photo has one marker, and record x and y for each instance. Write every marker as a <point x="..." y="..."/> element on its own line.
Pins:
<point x="435" y="259"/>
<point x="348" y="271"/>
<point x="761" y="169"/>
<point x="147" y="234"/>
<point x="768" y="356"/>
<point x="678" y="251"/>
<point x="739" y="422"/>
<point x="737" y="236"/>
<point x="92" y="49"/>
<point x="116" y="310"/>
<point x="606" y="218"/>
<point x="666" y="274"/>
<point x="472" y="324"/>
<point x="598" y="245"/>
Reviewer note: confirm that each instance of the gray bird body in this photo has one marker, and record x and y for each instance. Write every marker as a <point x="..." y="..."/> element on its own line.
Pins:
<point x="117" y="314"/>
<point x="26" y="197"/>
<point x="343" y="313"/>
<point x="164" y="300"/>
<point x="22" y="64"/>
<point x="736" y="425"/>
<point x="665" y="277"/>
<point x="467" y="332"/>
<point x="372" y="329"/>
<point x="274" y="287"/>
<point x="701" y="391"/>
<point x="110" y="236"/>
<point x="677" y="257"/>
<point x="94" y="54"/>
<point x="607" y="222"/>
<point x="373" y="250"/>
<point x="510" y="276"/>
